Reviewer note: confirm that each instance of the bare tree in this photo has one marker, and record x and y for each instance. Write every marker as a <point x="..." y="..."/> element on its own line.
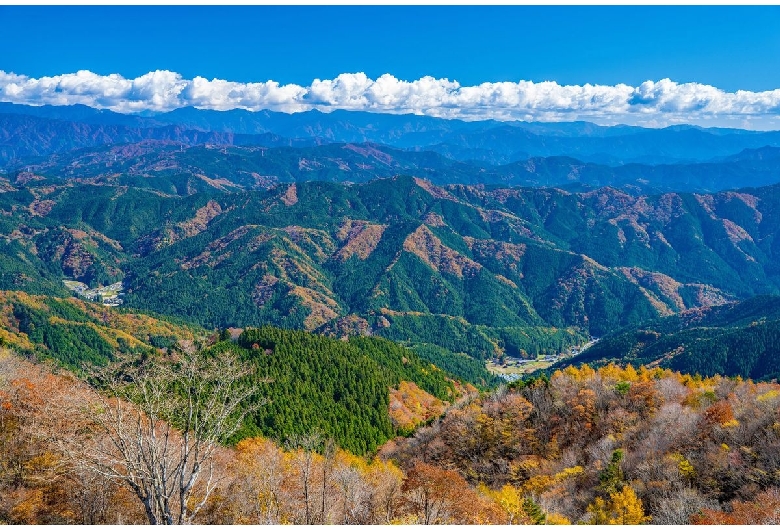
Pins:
<point x="159" y="424"/>
<point x="328" y="453"/>
<point x="305" y="446"/>
<point x="355" y="495"/>
<point x="677" y="507"/>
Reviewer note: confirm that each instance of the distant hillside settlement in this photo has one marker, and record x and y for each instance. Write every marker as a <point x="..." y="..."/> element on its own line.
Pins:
<point x="110" y="295"/>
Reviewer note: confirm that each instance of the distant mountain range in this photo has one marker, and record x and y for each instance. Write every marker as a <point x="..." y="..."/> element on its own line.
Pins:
<point x="490" y="142"/>
<point x="173" y="167"/>
<point x="23" y="136"/>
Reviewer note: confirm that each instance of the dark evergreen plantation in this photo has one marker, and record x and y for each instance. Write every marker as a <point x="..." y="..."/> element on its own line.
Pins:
<point x="329" y="386"/>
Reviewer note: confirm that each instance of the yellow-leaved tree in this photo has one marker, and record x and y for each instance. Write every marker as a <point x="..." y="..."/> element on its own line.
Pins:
<point x="510" y="500"/>
<point x="623" y="507"/>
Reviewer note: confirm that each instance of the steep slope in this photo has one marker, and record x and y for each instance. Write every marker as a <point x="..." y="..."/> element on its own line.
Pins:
<point x="74" y="332"/>
<point x="339" y="388"/>
<point x="587" y="444"/>
<point x="342" y="389"/>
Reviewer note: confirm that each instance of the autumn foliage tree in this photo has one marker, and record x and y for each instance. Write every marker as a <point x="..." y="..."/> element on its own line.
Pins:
<point x="645" y="445"/>
<point x="623" y="508"/>
<point x="39" y="484"/>
<point x="765" y="510"/>
<point x="438" y="496"/>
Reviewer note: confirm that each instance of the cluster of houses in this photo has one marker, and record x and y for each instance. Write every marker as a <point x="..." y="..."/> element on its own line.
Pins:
<point x="110" y="295"/>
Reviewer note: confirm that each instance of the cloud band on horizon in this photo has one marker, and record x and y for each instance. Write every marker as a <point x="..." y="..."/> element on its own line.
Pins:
<point x="651" y="103"/>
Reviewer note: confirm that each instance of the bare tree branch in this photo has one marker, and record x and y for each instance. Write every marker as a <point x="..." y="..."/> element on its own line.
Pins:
<point x="139" y="409"/>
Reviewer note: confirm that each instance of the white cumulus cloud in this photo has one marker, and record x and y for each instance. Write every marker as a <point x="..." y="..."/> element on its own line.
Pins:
<point x="651" y="103"/>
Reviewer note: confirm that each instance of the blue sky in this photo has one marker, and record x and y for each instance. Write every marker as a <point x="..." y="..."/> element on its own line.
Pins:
<point x="728" y="47"/>
<point x="731" y="48"/>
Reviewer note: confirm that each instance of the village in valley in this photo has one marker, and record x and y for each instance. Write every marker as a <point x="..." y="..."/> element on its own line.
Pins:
<point x="512" y="368"/>
<point x="110" y="295"/>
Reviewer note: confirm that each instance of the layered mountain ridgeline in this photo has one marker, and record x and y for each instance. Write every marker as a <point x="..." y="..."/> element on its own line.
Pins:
<point x="177" y="167"/>
<point x="244" y="167"/>
<point x="486" y="271"/>
<point x="24" y="136"/>
<point x="489" y="141"/>
<point x="308" y="383"/>
<point x="737" y="339"/>
<point x="611" y="146"/>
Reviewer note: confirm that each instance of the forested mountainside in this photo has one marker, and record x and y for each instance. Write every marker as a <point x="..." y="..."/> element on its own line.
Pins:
<point x="616" y="446"/>
<point x="480" y="270"/>
<point x="486" y="271"/>
<point x="341" y="389"/>
<point x="736" y="339"/>
<point x="607" y="446"/>
<point x="73" y="332"/>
